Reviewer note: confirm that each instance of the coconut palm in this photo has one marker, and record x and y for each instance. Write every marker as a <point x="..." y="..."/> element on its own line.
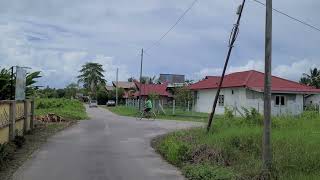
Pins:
<point x="312" y="79"/>
<point x="5" y="83"/>
<point x="91" y="75"/>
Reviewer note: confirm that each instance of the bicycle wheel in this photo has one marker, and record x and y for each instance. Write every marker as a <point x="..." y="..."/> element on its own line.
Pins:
<point x="153" y="116"/>
<point x="139" y="115"/>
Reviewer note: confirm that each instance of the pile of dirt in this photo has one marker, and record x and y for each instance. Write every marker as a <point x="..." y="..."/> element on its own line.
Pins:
<point x="50" y="117"/>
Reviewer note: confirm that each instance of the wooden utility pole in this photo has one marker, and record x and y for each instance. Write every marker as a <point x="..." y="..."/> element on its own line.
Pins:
<point x="117" y="86"/>
<point x="267" y="152"/>
<point x="140" y="87"/>
<point x="232" y="40"/>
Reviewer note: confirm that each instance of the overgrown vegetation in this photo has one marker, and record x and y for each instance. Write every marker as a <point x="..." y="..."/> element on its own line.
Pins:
<point x="66" y="108"/>
<point x="232" y="149"/>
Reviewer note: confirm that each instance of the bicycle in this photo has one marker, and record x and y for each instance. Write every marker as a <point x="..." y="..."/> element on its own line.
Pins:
<point x="148" y="115"/>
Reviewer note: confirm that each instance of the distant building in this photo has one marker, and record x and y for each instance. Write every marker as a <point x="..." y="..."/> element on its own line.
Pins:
<point x="110" y="88"/>
<point x="148" y="89"/>
<point x="129" y="88"/>
<point x="172" y="79"/>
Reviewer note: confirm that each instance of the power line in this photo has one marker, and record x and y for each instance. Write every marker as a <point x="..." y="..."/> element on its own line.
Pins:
<point x="173" y="26"/>
<point x="291" y="17"/>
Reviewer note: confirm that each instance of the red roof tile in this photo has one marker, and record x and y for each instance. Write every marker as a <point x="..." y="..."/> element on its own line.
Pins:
<point x="146" y="89"/>
<point x="253" y="80"/>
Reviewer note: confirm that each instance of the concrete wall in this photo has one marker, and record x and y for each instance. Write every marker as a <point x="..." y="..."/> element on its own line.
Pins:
<point x="205" y="98"/>
<point x="312" y="99"/>
<point x="236" y="98"/>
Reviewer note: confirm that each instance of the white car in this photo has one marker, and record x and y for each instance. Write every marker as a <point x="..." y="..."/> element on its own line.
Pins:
<point x="111" y="103"/>
<point x="93" y="103"/>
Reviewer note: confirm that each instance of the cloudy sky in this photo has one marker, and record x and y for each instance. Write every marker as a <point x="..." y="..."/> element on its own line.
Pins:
<point x="58" y="36"/>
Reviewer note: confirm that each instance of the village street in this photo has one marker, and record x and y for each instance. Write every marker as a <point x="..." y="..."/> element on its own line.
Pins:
<point x="105" y="147"/>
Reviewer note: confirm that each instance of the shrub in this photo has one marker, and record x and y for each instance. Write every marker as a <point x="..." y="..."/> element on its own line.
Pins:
<point x="252" y="116"/>
<point x="6" y="153"/>
<point x="207" y="172"/>
<point x="19" y="141"/>
<point x="228" y="113"/>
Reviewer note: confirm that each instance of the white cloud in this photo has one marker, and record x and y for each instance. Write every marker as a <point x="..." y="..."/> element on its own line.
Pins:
<point x="292" y="71"/>
<point x="295" y="70"/>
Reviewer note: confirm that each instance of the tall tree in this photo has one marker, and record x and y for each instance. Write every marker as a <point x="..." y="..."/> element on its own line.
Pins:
<point x="91" y="75"/>
<point x="30" y="81"/>
<point x="5" y="76"/>
<point x="312" y="79"/>
<point x="131" y="79"/>
<point x="71" y="90"/>
<point x="5" y="83"/>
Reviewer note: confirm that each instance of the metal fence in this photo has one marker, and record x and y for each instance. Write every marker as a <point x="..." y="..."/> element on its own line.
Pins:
<point x="164" y="107"/>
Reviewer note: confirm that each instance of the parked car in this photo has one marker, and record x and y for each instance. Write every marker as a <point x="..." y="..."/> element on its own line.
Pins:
<point x="93" y="103"/>
<point x="111" y="103"/>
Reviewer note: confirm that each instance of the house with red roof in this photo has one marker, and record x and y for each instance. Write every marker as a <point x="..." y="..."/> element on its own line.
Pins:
<point x="245" y="90"/>
<point x="159" y="89"/>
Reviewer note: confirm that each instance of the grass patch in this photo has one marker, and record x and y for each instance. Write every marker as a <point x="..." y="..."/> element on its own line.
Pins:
<point x="232" y="149"/>
<point x="179" y="114"/>
<point x="66" y="108"/>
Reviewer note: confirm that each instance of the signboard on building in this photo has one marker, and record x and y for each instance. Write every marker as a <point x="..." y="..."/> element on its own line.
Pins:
<point x="21" y="74"/>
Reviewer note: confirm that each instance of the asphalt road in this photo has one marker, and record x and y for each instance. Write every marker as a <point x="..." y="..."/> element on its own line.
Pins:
<point x="106" y="147"/>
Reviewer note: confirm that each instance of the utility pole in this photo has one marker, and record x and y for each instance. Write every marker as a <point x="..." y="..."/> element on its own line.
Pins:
<point x="267" y="155"/>
<point x="117" y="86"/>
<point x="232" y="40"/>
<point x="140" y="88"/>
<point x="11" y="86"/>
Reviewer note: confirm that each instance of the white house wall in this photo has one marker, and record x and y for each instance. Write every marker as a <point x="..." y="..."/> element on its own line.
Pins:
<point x="312" y="99"/>
<point x="205" y="98"/>
<point x="242" y="97"/>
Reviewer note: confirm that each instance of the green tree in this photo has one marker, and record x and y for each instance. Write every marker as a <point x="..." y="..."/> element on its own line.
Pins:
<point x="91" y="75"/>
<point x="149" y="80"/>
<point x="182" y="95"/>
<point x="312" y="79"/>
<point x="5" y="76"/>
<point x="30" y="81"/>
<point x="112" y="94"/>
<point x="71" y="90"/>
<point x="5" y="83"/>
<point x="131" y="79"/>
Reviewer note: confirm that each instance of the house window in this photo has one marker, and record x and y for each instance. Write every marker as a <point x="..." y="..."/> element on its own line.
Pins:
<point x="232" y="92"/>
<point x="280" y="101"/>
<point x="221" y="100"/>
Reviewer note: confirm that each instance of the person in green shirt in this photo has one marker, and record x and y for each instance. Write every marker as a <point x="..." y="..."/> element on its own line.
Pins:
<point x="148" y="105"/>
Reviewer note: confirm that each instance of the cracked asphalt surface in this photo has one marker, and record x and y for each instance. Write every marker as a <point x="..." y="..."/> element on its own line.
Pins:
<point x="106" y="147"/>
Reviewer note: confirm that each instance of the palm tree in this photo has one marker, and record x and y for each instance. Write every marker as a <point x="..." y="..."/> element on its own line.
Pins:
<point x="5" y="83"/>
<point x="92" y="76"/>
<point x="312" y="79"/>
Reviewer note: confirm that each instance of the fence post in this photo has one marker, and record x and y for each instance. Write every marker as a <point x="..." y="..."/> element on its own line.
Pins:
<point x="32" y="115"/>
<point x="258" y="107"/>
<point x="12" y="120"/>
<point x="188" y="106"/>
<point x="173" y="106"/>
<point x="25" y="119"/>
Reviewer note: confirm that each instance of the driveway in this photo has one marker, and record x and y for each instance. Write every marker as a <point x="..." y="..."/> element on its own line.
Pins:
<point x="106" y="147"/>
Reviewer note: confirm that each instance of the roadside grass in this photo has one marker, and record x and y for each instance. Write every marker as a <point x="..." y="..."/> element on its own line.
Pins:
<point x="179" y="114"/>
<point x="232" y="149"/>
<point x="66" y="108"/>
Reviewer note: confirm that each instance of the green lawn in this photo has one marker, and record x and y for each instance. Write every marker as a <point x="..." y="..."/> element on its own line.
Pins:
<point x="66" y="108"/>
<point x="232" y="149"/>
<point x="179" y="114"/>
